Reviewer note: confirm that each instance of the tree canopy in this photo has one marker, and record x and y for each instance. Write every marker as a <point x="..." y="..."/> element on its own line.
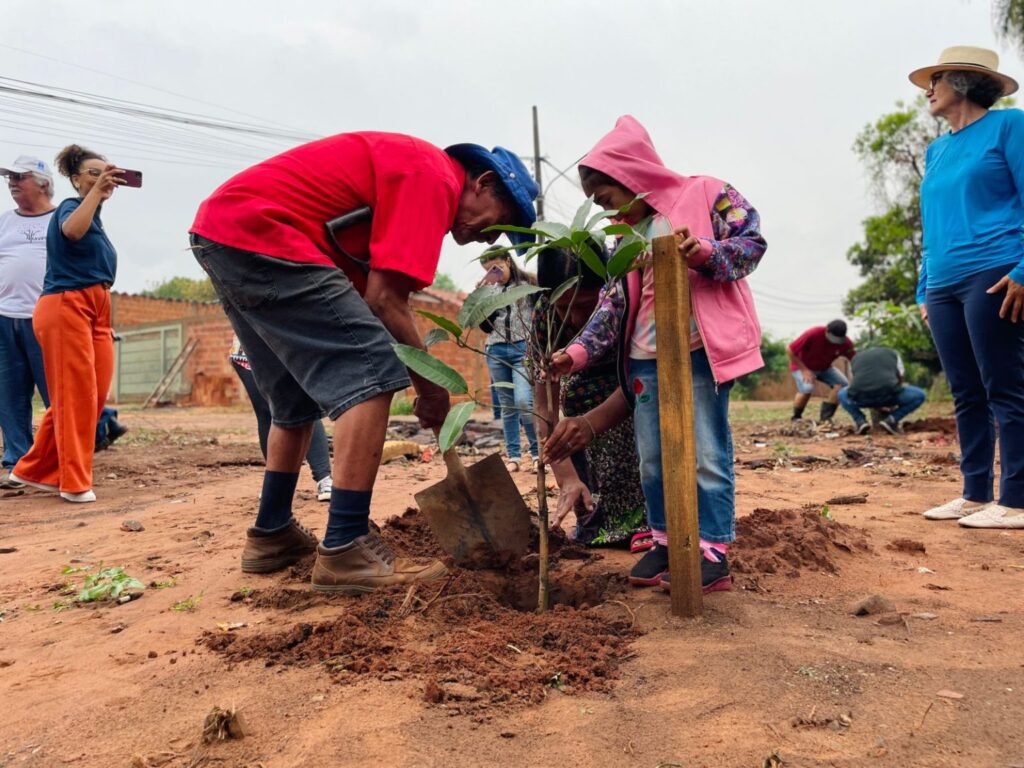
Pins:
<point x="186" y="288"/>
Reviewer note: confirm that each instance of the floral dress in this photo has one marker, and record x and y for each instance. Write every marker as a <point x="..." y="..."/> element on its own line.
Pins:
<point x="608" y="466"/>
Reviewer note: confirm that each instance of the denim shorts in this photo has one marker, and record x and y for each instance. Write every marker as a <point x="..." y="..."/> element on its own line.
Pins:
<point x="313" y="343"/>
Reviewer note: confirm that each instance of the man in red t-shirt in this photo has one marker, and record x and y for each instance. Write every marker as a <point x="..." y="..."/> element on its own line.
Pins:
<point x="317" y="313"/>
<point x="810" y="358"/>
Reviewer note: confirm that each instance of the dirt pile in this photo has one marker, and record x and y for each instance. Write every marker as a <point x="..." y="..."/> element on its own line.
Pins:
<point x="791" y="540"/>
<point x="470" y="641"/>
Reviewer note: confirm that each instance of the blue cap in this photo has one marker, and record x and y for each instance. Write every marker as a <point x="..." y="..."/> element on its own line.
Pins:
<point x="514" y="177"/>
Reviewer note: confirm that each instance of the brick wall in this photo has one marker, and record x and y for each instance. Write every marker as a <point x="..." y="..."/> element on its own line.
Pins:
<point x="213" y="382"/>
<point x="129" y="310"/>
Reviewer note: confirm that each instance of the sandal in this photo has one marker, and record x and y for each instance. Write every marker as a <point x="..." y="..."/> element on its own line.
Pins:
<point x="641" y="542"/>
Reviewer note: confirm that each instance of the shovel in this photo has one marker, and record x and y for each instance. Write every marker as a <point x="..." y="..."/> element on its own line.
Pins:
<point x="477" y="513"/>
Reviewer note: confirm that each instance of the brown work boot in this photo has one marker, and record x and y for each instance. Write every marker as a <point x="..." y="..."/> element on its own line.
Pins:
<point x="268" y="552"/>
<point x="368" y="563"/>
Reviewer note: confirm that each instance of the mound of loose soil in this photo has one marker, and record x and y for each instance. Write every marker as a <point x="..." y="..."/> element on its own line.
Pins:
<point x="790" y="540"/>
<point x="946" y="426"/>
<point x="471" y="641"/>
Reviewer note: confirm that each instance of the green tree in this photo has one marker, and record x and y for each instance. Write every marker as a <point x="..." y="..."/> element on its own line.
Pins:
<point x="1008" y="16"/>
<point x="186" y="288"/>
<point x="888" y="256"/>
<point x="444" y="282"/>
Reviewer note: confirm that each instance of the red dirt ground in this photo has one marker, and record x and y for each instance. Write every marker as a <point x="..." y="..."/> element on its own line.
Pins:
<point x="453" y="674"/>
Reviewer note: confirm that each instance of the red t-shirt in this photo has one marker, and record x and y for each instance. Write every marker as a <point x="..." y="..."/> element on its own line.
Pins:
<point x="279" y="207"/>
<point x="815" y="351"/>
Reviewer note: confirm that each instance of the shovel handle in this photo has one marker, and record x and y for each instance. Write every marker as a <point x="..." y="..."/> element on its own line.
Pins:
<point x="456" y="470"/>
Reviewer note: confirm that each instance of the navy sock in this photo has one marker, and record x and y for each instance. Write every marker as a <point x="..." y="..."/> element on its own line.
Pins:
<point x="348" y="517"/>
<point x="276" y="500"/>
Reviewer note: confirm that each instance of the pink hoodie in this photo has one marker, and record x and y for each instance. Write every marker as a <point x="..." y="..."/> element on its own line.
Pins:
<point x="721" y="300"/>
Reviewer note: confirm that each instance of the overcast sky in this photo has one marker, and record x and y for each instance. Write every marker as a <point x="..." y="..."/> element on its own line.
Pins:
<point x="767" y="95"/>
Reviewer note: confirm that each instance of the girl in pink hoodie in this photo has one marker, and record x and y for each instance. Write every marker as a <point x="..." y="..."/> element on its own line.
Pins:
<point x="719" y="233"/>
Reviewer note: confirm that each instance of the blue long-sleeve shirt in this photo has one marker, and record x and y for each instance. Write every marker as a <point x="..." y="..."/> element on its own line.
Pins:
<point x="972" y="201"/>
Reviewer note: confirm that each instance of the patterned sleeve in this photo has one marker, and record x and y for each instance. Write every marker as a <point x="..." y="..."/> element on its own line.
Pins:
<point x="600" y="334"/>
<point x="738" y="244"/>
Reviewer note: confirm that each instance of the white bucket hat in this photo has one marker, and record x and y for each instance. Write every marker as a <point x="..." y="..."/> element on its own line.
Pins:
<point x="965" y="58"/>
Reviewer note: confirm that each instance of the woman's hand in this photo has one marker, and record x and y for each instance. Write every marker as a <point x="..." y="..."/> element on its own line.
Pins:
<point x="561" y="364"/>
<point x="574" y="490"/>
<point x="689" y="246"/>
<point x="924" y="313"/>
<point x="570" y="435"/>
<point x="109" y="180"/>
<point x="1013" y="303"/>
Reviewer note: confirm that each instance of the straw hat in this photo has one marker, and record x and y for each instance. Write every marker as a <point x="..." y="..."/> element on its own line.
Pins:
<point x="965" y="58"/>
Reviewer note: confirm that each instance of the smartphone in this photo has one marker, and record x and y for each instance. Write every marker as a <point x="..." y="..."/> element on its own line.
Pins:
<point x="131" y="178"/>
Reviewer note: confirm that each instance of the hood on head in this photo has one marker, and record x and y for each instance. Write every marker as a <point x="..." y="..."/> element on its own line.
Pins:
<point x="627" y="154"/>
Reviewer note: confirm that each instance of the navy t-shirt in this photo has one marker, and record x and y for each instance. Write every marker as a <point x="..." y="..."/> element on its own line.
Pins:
<point x="75" y="264"/>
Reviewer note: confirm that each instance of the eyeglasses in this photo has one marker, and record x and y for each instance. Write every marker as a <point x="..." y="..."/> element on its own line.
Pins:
<point x="934" y="79"/>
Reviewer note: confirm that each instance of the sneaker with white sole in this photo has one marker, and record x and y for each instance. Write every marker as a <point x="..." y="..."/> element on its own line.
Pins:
<point x="323" y="489"/>
<point x="32" y="483"/>
<point x="79" y="498"/>
<point x="7" y="482"/>
<point x="994" y="516"/>
<point x="953" y="510"/>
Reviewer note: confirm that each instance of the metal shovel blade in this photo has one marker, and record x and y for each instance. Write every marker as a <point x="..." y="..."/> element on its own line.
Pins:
<point x="477" y="514"/>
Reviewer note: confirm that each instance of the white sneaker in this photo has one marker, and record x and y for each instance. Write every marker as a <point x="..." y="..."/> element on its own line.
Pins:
<point x="323" y="489"/>
<point x="994" y="516"/>
<point x="953" y="510"/>
<point x="41" y="486"/>
<point x="79" y="498"/>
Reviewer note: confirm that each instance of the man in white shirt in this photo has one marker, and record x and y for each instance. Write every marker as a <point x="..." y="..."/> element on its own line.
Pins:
<point x="22" y="265"/>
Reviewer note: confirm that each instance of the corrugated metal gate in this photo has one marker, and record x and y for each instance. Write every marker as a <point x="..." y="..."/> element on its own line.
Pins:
<point x="142" y="358"/>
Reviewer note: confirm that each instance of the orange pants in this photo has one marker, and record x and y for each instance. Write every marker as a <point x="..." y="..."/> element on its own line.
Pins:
<point x="74" y="332"/>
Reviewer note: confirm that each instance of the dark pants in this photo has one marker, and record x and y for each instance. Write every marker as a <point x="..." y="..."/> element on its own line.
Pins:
<point x="318" y="456"/>
<point x="21" y="373"/>
<point x="983" y="357"/>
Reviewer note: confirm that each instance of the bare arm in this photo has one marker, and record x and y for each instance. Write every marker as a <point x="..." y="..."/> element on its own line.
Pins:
<point x="77" y="224"/>
<point x="575" y="432"/>
<point x="387" y="295"/>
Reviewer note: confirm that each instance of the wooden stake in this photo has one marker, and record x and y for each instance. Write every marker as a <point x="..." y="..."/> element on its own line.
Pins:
<point x="542" y="509"/>
<point x="675" y="409"/>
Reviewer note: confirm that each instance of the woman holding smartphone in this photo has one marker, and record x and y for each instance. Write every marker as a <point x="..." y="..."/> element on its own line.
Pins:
<point x="507" y="331"/>
<point x="72" y="323"/>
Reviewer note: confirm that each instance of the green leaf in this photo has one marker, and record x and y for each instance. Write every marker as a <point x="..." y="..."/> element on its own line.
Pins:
<point x="503" y="385"/>
<point x="470" y="303"/>
<point x="600" y="217"/>
<point x="451" y="430"/>
<point x="431" y="369"/>
<point x="485" y="305"/>
<point x="580" y="219"/>
<point x="511" y="228"/>
<point x="557" y="293"/>
<point x="435" y="336"/>
<point x="624" y="256"/>
<point x="592" y="260"/>
<point x="552" y="230"/>
<point x="618" y="229"/>
<point x="449" y="325"/>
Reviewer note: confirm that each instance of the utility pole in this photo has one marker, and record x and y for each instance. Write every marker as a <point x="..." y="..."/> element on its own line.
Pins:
<point x="536" y="167"/>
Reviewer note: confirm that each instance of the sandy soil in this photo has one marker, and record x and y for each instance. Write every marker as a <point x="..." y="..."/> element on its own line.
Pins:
<point x="776" y="672"/>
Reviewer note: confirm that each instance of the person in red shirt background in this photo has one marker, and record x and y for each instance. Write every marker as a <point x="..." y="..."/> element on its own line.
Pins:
<point x="810" y="358"/>
<point x="317" y="314"/>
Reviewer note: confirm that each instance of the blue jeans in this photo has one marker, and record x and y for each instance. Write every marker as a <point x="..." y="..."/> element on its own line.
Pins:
<point x="830" y="377"/>
<point x="983" y="357"/>
<point x="21" y="373"/>
<point x="716" y="483"/>
<point x="505" y="362"/>
<point x="906" y="402"/>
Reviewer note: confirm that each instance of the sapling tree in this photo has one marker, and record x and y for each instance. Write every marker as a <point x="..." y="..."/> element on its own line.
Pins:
<point x="583" y="239"/>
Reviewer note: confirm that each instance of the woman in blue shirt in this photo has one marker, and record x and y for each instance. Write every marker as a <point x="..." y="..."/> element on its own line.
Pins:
<point x="72" y="323"/>
<point x="971" y="289"/>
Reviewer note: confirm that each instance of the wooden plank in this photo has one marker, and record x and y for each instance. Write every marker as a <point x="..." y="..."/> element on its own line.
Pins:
<point x="675" y="409"/>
